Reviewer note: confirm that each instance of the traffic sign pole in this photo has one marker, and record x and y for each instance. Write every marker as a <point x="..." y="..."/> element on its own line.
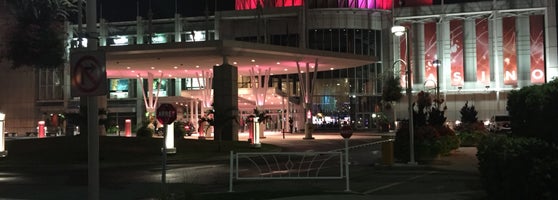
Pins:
<point x="164" y="164"/>
<point x="346" y="133"/>
<point x="166" y="114"/>
<point x="92" y="110"/>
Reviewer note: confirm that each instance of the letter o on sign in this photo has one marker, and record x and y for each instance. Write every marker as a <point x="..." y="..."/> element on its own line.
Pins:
<point x="166" y="113"/>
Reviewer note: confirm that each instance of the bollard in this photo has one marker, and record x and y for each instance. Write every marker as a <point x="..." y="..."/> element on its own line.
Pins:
<point x="387" y="152"/>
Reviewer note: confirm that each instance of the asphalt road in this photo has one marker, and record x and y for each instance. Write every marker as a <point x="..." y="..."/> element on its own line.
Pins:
<point x="143" y="180"/>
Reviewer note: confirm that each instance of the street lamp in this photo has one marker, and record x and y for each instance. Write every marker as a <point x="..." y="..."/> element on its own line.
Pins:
<point x="437" y="64"/>
<point x="400" y="31"/>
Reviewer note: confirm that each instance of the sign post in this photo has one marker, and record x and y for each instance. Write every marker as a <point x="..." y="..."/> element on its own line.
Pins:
<point x="166" y="114"/>
<point x="346" y="133"/>
<point x="3" y="151"/>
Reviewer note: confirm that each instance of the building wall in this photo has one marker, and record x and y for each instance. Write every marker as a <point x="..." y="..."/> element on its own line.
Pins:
<point x="18" y="87"/>
<point x="511" y="49"/>
<point x="296" y="24"/>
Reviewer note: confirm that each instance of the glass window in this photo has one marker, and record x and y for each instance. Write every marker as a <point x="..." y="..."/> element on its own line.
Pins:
<point x="118" y="88"/>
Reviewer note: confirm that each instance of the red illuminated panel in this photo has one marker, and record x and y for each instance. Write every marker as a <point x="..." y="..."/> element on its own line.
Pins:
<point x="430" y="50"/>
<point x="483" y="66"/>
<point x="456" y="52"/>
<point x="368" y="4"/>
<point x="536" y="25"/>
<point x="253" y="4"/>
<point x="288" y="3"/>
<point x="374" y="4"/>
<point x="410" y="3"/>
<point x="510" y="57"/>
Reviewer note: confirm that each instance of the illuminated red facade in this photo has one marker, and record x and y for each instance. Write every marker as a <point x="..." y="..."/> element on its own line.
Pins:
<point x="367" y="4"/>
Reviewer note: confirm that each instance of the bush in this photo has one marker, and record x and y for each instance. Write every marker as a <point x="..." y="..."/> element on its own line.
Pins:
<point x="518" y="168"/>
<point x="448" y="143"/>
<point x="471" y="133"/>
<point x="533" y="113"/>
<point x="144" y="131"/>
<point x="430" y="142"/>
<point x="431" y="137"/>
<point x="179" y="130"/>
<point x="470" y="139"/>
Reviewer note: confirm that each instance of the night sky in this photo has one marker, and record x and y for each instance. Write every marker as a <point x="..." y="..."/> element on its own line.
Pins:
<point x="126" y="10"/>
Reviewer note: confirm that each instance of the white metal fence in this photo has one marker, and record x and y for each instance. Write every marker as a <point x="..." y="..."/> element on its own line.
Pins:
<point x="285" y="166"/>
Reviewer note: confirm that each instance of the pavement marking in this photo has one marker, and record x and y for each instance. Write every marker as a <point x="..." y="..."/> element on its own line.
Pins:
<point x="397" y="183"/>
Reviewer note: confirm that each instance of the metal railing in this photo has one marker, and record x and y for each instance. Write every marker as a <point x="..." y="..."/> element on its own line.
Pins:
<point x="285" y="166"/>
<point x="291" y="165"/>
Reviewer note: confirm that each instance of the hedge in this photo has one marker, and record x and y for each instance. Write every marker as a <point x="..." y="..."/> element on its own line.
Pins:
<point x="518" y="168"/>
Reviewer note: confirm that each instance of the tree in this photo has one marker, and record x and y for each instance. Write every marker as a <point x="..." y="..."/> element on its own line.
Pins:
<point x="391" y="92"/>
<point x="38" y="36"/>
<point x="468" y="114"/>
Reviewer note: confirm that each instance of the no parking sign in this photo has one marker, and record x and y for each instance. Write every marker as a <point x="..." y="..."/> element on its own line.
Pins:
<point x="88" y="73"/>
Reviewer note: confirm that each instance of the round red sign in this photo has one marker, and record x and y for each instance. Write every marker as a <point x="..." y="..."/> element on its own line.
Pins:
<point x="346" y="131"/>
<point x="166" y="113"/>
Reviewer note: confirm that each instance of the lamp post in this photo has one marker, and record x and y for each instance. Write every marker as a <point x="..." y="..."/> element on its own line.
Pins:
<point x="437" y="64"/>
<point x="400" y="31"/>
<point x="3" y="151"/>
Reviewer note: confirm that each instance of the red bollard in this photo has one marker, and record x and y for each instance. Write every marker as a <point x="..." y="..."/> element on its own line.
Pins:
<point x="41" y="130"/>
<point x="128" y="128"/>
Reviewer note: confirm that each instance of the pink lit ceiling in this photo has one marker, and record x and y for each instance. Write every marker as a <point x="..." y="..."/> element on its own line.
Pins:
<point x="183" y="60"/>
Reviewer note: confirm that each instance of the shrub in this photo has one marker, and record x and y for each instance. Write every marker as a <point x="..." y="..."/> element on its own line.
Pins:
<point x="179" y="130"/>
<point x="533" y="113"/>
<point x="431" y="137"/>
<point x="430" y="142"/>
<point x="471" y="139"/>
<point x="144" y="131"/>
<point x="448" y="143"/>
<point x="518" y="168"/>
<point x="468" y="114"/>
<point x="471" y="133"/>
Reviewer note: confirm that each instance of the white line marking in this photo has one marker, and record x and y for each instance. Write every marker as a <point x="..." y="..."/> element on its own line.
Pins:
<point x="397" y="183"/>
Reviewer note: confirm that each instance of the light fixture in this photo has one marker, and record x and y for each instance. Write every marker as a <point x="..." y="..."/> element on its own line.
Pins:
<point x="398" y="30"/>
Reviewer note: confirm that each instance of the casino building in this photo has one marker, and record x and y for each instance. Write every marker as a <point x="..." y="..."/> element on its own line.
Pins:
<point x="313" y="61"/>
